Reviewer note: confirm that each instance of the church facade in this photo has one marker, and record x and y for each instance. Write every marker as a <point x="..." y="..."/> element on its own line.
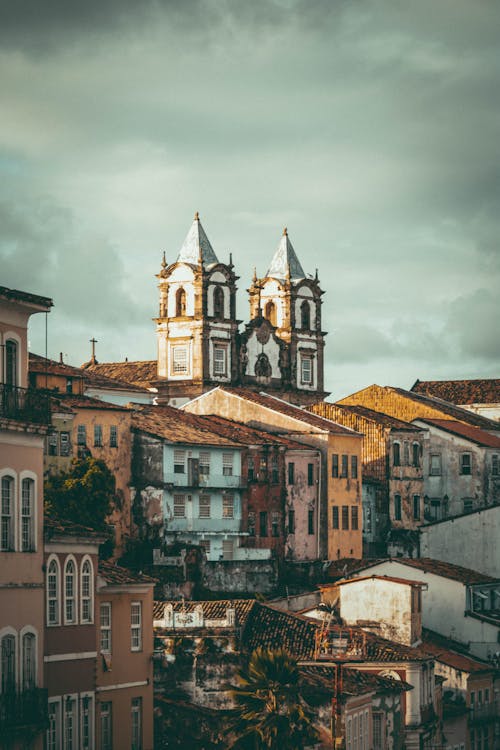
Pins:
<point x="280" y="350"/>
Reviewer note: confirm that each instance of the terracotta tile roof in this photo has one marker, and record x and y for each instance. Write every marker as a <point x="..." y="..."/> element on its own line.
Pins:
<point x="18" y="296"/>
<point x="141" y="373"/>
<point x="177" y="426"/>
<point x="394" y="579"/>
<point x="54" y="527"/>
<point x="212" y="610"/>
<point x="247" y="435"/>
<point x="340" y="411"/>
<point x="354" y="682"/>
<point x="57" y="406"/>
<point x="482" y="391"/>
<point x="117" y="576"/>
<point x="447" y="570"/>
<point x="462" y="415"/>
<point x="295" y="412"/>
<point x="87" y="402"/>
<point x="474" y="434"/>
<point x="42" y="365"/>
<point x="435" y="645"/>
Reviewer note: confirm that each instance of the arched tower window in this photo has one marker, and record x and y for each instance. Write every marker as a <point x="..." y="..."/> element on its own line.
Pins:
<point x="52" y="590"/>
<point x="8" y="663"/>
<point x="180" y="302"/>
<point x="7" y="516"/>
<point x="86" y="586"/>
<point x="29" y="661"/>
<point x="70" y="592"/>
<point x="218" y="302"/>
<point x="270" y="312"/>
<point x="27" y="515"/>
<point x="305" y="316"/>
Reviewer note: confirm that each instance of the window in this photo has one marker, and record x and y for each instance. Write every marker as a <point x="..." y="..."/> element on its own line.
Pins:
<point x="7" y="525"/>
<point x="218" y="302"/>
<point x="70" y="592"/>
<point x="8" y="663"/>
<point x="220" y="360"/>
<point x="275" y="476"/>
<point x="70" y="726"/>
<point x="227" y="506"/>
<point x="335" y="465"/>
<point x="227" y="464"/>
<point x="204" y="466"/>
<point x="29" y="661"/>
<point x="291" y="521"/>
<point x="98" y="435"/>
<point x="179" y="506"/>
<point x="416" y="454"/>
<point x="81" y="435"/>
<point x="179" y="462"/>
<point x="306" y="370"/>
<point x="466" y="463"/>
<point x="406" y="451"/>
<point x="377" y="731"/>
<point x="136" y="626"/>
<point x="106" y="726"/>
<point x="355" y="733"/>
<point x="204" y="506"/>
<point x="310" y="475"/>
<point x="345" y="466"/>
<point x="345" y="517"/>
<point x="251" y="471"/>
<point x="468" y="503"/>
<point x="305" y="316"/>
<point x="105" y="627"/>
<point x="65" y="445"/>
<point x="27" y="515"/>
<point x="396" y="454"/>
<point x="495" y="465"/>
<point x="52" y="444"/>
<point x="416" y="507"/>
<point x="263" y="523"/>
<point x="69" y="385"/>
<point x="205" y="546"/>
<point x="136" y="724"/>
<point x="11" y="362"/>
<point x="53" y="593"/>
<point x="180" y="303"/>
<point x="54" y="728"/>
<point x="86" y="721"/>
<point x="348" y="734"/>
<point x="251" y="523"/>
<point x="397" y="507"/>
<point x="435" y="465"/>
<point x="270" y="312"/>
<point x="310" y="521"/>
<point x="179" y="360"/>
<point x="113" y="436"/>
<point x="354" y="517"/>
<point x="354" y="467"/>
<point x="291" y="473"/>
<point x="335" y="517"/>
<point x="275" y="524"/>
<point x="87" y="590"/>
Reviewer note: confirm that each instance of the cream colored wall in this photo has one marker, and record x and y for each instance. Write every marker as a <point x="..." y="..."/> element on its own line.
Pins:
<point x="386" y="602"/>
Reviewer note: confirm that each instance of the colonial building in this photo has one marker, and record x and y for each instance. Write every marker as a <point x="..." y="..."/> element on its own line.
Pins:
<point x="199" y="343"/>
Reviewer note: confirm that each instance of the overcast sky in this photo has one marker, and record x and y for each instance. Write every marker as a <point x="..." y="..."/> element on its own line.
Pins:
<point x="370" y="129"/>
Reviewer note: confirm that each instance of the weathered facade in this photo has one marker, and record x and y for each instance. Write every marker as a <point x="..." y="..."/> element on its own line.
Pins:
<point x="24" y="421"/>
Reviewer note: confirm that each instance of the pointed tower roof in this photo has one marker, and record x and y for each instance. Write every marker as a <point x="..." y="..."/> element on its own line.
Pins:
<point x="196" y="246"/>
<point x="285" y="261"/>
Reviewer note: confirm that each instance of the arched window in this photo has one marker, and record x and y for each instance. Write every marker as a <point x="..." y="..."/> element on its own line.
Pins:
<point x="180" y="302"/>
<point x="305" y="316"/>
<point x="270" y="312"/>
<point x="218" y="302"/>
<point x="87" y="591"/>
<point x="27" y="515"/>
<point x="70" y="592"/>
<point x="29" y="661"/>
<point x="8" y="663"/>
<point x="7" y="517"/>
<point x="11" y="362"/>
<point x="53" y="593"/>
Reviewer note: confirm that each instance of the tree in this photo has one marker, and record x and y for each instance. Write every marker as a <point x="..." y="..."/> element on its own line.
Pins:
<point x="271" y="712"/>
<point x="85" y="494"/>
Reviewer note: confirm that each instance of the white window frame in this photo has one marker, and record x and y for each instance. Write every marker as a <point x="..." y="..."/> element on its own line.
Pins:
<point x="74" y="597"/>
<point x="57" y="598"/>
<point x="204" y="508"/>
<point x="180" y="459"/>
<point x="179" y="505"/>
<point x="5" y="633"/>
<point x="56" y="744"/>
<point x="11" y="336"/>
<point x="81" y="434"/>
<point x="435" y="471"/>
<point x="136" y="626"/>
<point x="106" y="629"/>
<point x="31" y="478"/>
<point x="106" y="720"/>
<point x="28" y="630"/>
<point x="227" y="505"/>
<point x="227" y="464"/>
<point x="87" y="597"/>
<point x="204" y="463"/>
<point x="98" y="436"/>
<point x="89" y="712"/>
<point x="306" y="369"/>
<point x="179" y="364"/>
<point x="220" y="359"/>
<point x="73" y="697"/>
<point x="6" y="475"/>
<point x="136" y="713"/>
<point x="113" y="436"/>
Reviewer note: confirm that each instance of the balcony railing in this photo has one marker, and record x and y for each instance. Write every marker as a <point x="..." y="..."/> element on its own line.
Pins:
<point x="484" y="712"/>
<point x="208" y="481"/>
<point x="23" y="710"/>
<point x="24" y="405"/>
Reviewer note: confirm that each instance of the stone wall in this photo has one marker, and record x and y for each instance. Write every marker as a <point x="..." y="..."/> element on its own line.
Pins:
<point x="246" y="576"/>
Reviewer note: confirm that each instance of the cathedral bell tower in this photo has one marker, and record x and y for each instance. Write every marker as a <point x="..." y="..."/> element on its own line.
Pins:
<point x="283" y="345"/>
<point x="196" y="326"/>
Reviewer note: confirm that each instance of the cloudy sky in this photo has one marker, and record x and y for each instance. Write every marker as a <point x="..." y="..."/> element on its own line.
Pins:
<point x="370" y="129"/>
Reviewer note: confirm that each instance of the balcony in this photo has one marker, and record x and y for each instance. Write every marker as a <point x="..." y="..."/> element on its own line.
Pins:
<point x="208" y="481"/>
<point x="483" y="712"/>
<point x="209" y="526"/>
<point x="24" y="405"/>
<point x="26" y="710"/>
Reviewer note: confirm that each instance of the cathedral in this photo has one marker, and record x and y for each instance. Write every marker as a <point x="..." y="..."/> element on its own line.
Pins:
<point x="200" y="344"/>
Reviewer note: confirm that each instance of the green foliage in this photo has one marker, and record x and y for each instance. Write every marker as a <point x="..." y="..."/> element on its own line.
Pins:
<point x="85" y="494"/>
<point x="271" y="712"/>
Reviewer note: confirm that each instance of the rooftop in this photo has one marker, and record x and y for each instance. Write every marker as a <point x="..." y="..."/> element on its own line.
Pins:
<point x="462" y="415"/>
<point x="425" y="564"/>
<point x="212" y="610"/>
<point x="474" y="434"/>
<point x="178" y="427"/>
<point x="87" y="402"/>
<point x="323" y="408"/>
<point x="460" y="392"/>
<point x="54" y="527"/>
<point x="285" y="262"/>
<point x="442" y="649"/>
<point x="354" y="682"/>
<point x="16" y="295"/>
<point x="246" y="435"/>
<point x="197" y="246"/>
<point x="140" y="373"/>
<point x="115" y="575"/>
<point x="392" y="579"/>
